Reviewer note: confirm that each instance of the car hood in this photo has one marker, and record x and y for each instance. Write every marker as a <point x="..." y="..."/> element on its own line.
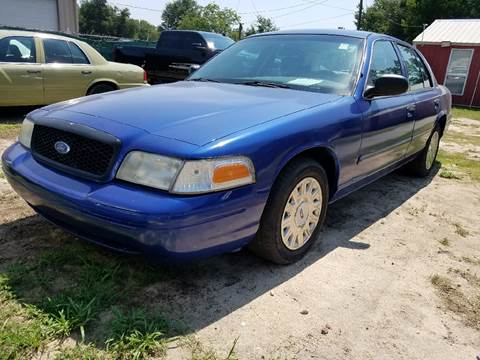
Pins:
<point x="194" y="112"/>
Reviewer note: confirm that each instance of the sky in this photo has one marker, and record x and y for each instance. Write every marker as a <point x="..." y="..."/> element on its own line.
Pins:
<point x="287" y="14"/>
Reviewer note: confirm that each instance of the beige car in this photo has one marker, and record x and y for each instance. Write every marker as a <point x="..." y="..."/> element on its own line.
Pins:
<point x="40" y="69"/>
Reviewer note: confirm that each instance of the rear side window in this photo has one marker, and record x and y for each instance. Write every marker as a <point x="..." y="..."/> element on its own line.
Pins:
<point x="78" y="56"/>
<point x="18" y="49"/>
<point x="179" y="40"/>
<point x="384" y="61"/>
<point x="414" y="68"/>
<point x="57" y="51"/>
<point x="217" y="42"/>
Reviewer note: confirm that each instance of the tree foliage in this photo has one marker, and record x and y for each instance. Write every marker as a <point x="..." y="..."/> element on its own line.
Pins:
<point x="176" y="10"/>
<point x="261" y="25"/>
<point x="99" y="18"/>
<point x="210" y="18"/>
<point x="405" y="18"/>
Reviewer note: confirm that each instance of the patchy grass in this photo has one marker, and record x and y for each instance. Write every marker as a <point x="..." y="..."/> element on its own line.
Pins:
<point x="444" y="242"/>
<point x="466" y="306"/>
<point x="446" y="174"/>
<point x="198" y="352"/>
<point x="460" y="230"/>
<point x="458" y="163"/>
<point x="469" y="260"/>
<point x="68" y="291"/>
<point x="459" y="112"/>
<point x="9" y="131"/>
<point x="462" y="138"/>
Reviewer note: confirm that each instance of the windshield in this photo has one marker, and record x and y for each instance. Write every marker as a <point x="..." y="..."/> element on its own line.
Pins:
<point x="321" y="63"/>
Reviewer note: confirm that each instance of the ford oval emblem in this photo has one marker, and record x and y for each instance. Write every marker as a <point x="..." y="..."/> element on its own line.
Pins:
<point x="62" y="147"/>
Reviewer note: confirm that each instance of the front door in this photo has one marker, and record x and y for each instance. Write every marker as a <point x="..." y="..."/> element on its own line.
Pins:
<point x="67" y="70"/>
<point x="388" y="120"/>
<point x="21" y="78"/>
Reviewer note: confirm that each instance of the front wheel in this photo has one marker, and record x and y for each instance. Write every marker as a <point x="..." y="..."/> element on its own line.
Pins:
<point x="294" y="213"/>
<point x="423" y="163"/>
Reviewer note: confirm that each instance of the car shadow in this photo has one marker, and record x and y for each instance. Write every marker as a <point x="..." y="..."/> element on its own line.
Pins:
<point x="201" y="293"/>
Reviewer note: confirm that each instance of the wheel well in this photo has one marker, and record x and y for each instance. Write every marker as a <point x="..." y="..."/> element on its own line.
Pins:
<point x="441" y="123"/>
<point x="109" y="83"/>
<point x="325" y="158"/>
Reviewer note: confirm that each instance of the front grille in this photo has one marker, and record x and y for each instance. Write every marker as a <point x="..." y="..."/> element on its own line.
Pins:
<point x="86" y="155"/>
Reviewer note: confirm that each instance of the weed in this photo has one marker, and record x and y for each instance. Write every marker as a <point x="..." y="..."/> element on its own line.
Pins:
<point x="447" y="174"/>
<point x="456" y="301"/>
<point x="460" y="230"/>
<point x="9" y="131"/>
<point x="82" y="352"/>
<point x="460" y="163"/>
<point x="444" y="242"/>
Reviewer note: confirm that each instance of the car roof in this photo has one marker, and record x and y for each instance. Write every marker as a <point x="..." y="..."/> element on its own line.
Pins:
<point x="45" y="35"/>
<point x="343" y="32"/>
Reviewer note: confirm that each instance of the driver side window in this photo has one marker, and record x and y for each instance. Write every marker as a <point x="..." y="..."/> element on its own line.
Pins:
<point x="384" y="61"/>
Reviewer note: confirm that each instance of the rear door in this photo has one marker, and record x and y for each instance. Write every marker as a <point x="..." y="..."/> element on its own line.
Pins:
<point x="388" y="120"/>
<point x="21" y="78"/>
<point x="67" y="70"/>
<point x="426" y="97"/>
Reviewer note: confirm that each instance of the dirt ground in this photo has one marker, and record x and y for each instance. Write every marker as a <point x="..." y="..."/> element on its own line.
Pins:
<point x="364" y="291"/>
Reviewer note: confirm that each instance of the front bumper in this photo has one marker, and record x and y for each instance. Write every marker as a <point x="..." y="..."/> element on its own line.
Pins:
<point x="135" y="219"/>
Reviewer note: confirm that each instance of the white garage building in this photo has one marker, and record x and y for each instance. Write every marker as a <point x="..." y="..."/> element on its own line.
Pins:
<point x="57" y="15"/>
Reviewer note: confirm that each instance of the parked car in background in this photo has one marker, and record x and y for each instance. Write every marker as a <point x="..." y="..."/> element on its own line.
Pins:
<point x="177" y="53"/>
<point x="39" y="68"/>
<point x="249" y="151"/>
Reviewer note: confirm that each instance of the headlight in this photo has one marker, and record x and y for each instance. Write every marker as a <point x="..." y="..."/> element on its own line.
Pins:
<point x="186" y="177"/>
<point x="149" y="169"/>
<point x="25" y="136"/>
<point x="199" y="176"/>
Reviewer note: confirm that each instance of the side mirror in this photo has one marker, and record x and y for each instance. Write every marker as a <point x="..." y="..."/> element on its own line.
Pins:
<point x="387" y="85"/>
<point x="192" y="68"/>
<point x="198" y="46"/>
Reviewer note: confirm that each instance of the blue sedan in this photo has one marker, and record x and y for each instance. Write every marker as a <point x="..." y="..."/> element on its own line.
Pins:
<point x="248" y="151"/>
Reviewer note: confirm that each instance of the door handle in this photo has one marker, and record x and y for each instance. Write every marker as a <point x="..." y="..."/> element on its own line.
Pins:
<point x="411" y="108"/>
<point x="34" y="71"/>
<point x="86" y="72"/>
<point x="436" y="102"/>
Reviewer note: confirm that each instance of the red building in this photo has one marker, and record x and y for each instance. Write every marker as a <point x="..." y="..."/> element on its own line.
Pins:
<point x="452" y="47"/>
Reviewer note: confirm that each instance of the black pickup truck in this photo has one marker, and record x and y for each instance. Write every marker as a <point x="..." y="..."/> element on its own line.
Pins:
<point x="177" y="53"/>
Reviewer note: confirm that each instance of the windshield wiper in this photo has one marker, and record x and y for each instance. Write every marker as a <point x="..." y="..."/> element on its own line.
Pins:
<point x="204" y="80"/>
<point x="266" y="84"/>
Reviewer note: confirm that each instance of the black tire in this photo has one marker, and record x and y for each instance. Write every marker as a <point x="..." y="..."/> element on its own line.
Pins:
<point x="420" y="167"/>
<point x="268" y="242"/>
<point x="100" y="88"/>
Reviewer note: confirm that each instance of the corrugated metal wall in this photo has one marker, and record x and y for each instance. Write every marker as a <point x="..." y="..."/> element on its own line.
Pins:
<point x="38" y="14"/>
<point x="438" y="57"/>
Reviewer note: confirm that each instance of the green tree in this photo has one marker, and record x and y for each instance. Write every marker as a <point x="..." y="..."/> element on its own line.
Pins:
<point x="96" y="17"/>
<point x="261" y="25"/>
<point x="99" y="18"/>
<point x="176" y="10"/>
<point x="405" y="18"/>
<point x="211" y="18"/>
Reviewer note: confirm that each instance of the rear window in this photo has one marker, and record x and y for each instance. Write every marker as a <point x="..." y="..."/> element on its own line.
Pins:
<point x="217" y="42"/>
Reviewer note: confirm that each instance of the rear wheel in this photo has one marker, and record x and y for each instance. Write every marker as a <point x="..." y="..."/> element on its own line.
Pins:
<point x="423" y="163"/>
<point x="294" y="213"/>
<point x="100" y="88"/>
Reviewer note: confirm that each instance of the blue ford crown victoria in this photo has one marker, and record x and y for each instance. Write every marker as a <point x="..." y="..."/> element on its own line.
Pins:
<point x="249" y="150"/>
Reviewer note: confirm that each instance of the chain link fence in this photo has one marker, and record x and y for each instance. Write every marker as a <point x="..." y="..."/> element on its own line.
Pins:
<point x="103" y="44"/>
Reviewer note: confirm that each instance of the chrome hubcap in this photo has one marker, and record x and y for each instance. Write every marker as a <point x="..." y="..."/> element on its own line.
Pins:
<point x="301" y="213"/>
<point x="432" y="149"/>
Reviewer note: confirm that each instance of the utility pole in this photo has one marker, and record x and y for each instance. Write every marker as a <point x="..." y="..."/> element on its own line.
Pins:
<point x="240" y="28"/>
<point x="360" y="13"/>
